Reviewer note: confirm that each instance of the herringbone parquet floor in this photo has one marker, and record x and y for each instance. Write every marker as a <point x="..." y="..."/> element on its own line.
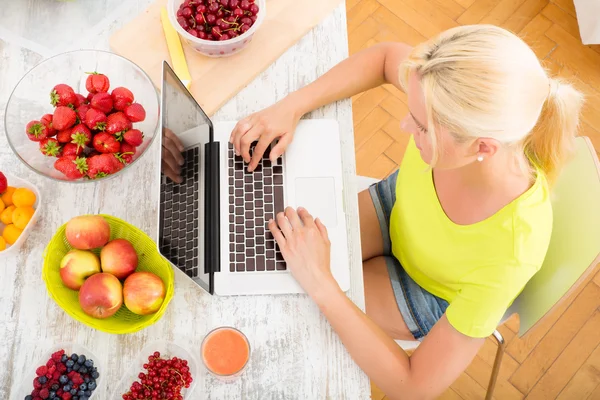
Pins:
<point x="561" y="359"/>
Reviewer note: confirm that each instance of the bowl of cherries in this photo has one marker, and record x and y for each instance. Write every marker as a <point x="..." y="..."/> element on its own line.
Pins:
<point x="217" y="28"/>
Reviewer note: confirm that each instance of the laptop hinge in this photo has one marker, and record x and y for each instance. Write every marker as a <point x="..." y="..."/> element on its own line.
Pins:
<point x="212" y="242"/>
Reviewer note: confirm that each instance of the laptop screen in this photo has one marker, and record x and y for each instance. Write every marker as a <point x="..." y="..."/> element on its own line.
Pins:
<point x="182" y="204"/>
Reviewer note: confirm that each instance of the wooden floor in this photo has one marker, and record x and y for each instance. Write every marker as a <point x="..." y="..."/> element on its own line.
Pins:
<point x="560" y="360"/>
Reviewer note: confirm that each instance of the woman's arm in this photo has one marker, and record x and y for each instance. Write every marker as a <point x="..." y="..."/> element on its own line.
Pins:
<point x="364" y="70"/>
<point x="444" y="354"/>
<point x="438" y="361"/>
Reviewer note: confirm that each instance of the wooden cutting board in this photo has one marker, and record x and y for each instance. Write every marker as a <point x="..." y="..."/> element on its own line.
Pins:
<point x="216" y="80"/>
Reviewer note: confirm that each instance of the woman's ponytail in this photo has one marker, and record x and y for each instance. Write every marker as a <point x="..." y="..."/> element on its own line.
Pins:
<point x="551" y="142"/>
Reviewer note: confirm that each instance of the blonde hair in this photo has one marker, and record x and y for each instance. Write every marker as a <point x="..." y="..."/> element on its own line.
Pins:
<point x="483" y="81"/>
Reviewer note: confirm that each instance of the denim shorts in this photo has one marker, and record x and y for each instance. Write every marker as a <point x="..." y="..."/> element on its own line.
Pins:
<point x="419" y="308"/>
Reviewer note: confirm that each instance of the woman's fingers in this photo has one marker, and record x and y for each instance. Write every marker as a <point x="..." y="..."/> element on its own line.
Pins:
<point x="170" y="160"/>
<point x="279" y="238"/>
<point x="284" y="225"/>
<point x="293" y="217"/>
<point x="239" y="131"/>
<point x="305" y="216"/>
<point x="251" y="136"/>
<point x="259" y="151"/>
<point x="170" y="173"/>
<point x="173" y="137"/>
<point x="170" y="147"/>
<point x="322" y="228"/>
<point x="280" y="147"/>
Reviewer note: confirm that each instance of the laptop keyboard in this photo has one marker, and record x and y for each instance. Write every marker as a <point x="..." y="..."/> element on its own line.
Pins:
<point x="254" y="198"/>
<point x="179" y="209"/>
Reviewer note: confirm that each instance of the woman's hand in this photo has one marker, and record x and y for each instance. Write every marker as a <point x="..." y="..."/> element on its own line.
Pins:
<point x="172" y="160"/>
<point x="305" y="246"/>
<point x="275" y="122"/>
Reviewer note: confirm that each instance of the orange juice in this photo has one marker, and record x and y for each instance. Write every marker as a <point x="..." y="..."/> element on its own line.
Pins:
<point x="225" y="352"/>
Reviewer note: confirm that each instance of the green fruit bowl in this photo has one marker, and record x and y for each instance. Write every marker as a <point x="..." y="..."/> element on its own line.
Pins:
<point x="150" y="260"/>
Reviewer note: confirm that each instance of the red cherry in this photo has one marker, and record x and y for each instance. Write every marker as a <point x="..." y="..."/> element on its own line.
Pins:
<point x="201" y="8"/>
<point x="183" y="22"/>
<point x="186" y="12"/>
<point x="254" y="9"/>
<point x="234" y="3"/>
<point x="213" y="7"/>
<point x="211" y="19"/>
<point x="224" y="37"/>
<point x="238" y="12"/>
<point x="245" y="5"/>
<point x="202" y="35"/>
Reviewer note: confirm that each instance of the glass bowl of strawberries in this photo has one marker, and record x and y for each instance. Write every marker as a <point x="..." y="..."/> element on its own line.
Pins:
<point x="217" y="28"/>
<point x="82" y="115"/>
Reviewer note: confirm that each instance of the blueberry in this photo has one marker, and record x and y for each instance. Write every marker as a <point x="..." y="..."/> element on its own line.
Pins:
<point x="55" y="387"/>
<point x="64" y="358"/>
<point x="89" y="363"/>
<point x="92" y="385"/>
<point x="81" y="360"/>
<point x="76" y="367"/>
<point x="29" y="397"/>
<point x="95" y="374"/>
<point x="86" y="379"/>
<point x="70" y="363"/>
<point x="42" y="379"/>
<point x="83" y="386"/>
<point x="71" y="383"/>
<point x="88" y="393"/>
<point x="75" y="398"/>
<point x="74" y="357"/>
<point x="83" y="370"/>
<point x="66" y="388"/>
<point x="69" y="370"/>
<point x="83" y="397"/>
<point x="80" y="393"/>
<point x="52" y="395"/>
<point x="73" y="392"/>
<point x="63" y="379"/>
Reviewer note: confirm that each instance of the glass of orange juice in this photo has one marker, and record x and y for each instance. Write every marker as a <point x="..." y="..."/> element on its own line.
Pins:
<point x="225" y="352"/>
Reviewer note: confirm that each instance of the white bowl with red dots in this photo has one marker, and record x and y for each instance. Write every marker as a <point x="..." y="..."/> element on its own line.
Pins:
<point x="217" y="28"/>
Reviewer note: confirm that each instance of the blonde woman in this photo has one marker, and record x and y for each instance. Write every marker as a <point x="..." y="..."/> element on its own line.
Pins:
<point x="451" y="238"/>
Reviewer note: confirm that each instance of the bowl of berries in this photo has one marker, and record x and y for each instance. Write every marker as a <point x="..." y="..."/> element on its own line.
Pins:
<point x="67" y="371"/>
<point x="217" y="28"/>
<point x="82" y="115"/>
<point x="160" y="368"/>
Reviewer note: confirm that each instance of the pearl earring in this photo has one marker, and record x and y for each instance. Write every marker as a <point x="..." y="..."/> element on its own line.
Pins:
<point x="480" y="158"/>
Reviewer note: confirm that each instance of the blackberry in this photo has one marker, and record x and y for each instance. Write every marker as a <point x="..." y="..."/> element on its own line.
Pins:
<point x="74" y="357"/>
<point x="63" y="379"/>
<point x="95" y="375"/>
<point x="70" y="363"/>
<point x="81" y="360"/>
<point x="89" y="363"/>
<point x="54" y="387"/>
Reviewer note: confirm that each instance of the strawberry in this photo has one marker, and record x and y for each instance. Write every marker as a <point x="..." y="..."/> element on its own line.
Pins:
<point x="106" y="143"/>
<point x="117" y="122"/>
<point x="71" y="149"/>
<point x="118" y="162"/>
<point x="36" y="131"/>
<point x="122" y="97"/>
<point x="64" y="136"/>
<point x="80" y="100"/>
<point x="135" y="112"/>
<point x="62" y="95"/>
<point x="95" y="119"/>
<point x="102" y="102"/>
<point x="63" y="118"/>
<point x="3" y="183"/>
<point x="127" y="153"/>
<point x="73" y="167"/>
<point x="89" y="97"/>
<point x="134" y="137"/>
<point x="81" y="135"/>
<point x="81" y="111"/>
<point x="50" y="147"/>
<point x="97" y="83"/>
<point x="101" y="165"/>
<point x="47" y="120"/>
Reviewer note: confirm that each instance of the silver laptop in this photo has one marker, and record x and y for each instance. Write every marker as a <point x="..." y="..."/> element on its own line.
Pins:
<point x="213" y="225"/>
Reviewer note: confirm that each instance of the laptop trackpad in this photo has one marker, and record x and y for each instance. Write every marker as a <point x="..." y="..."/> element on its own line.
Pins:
<point x="317" y="195"/>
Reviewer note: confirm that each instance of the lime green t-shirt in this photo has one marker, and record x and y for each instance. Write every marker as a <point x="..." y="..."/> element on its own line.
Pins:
<point x="479" y="268"/>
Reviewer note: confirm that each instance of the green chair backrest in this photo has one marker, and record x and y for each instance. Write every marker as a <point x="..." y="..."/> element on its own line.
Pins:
<point x="575" y="243"/>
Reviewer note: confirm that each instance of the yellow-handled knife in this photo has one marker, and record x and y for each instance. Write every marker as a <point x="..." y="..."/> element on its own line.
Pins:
<point x="175" y="49"/>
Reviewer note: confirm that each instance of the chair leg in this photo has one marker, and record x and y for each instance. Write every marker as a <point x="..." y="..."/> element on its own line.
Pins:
<point x="497" y="363"/>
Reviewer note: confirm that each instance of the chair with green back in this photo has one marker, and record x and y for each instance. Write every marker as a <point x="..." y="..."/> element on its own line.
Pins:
<point x="572" y="255"/>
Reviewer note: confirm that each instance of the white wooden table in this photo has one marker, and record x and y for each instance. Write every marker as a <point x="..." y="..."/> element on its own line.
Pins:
<point x="296" y="355"/>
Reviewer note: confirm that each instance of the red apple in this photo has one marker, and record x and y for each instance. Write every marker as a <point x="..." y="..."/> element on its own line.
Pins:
<point x="76" y="266"/>
<point x="88" y="232"/>
<point x="143" y="292"/>
<point x="119" y="258"/>
<point x="101" y="295"/>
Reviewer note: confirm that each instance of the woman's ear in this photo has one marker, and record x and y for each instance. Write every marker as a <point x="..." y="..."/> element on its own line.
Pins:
<point x="487" y="147"/>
